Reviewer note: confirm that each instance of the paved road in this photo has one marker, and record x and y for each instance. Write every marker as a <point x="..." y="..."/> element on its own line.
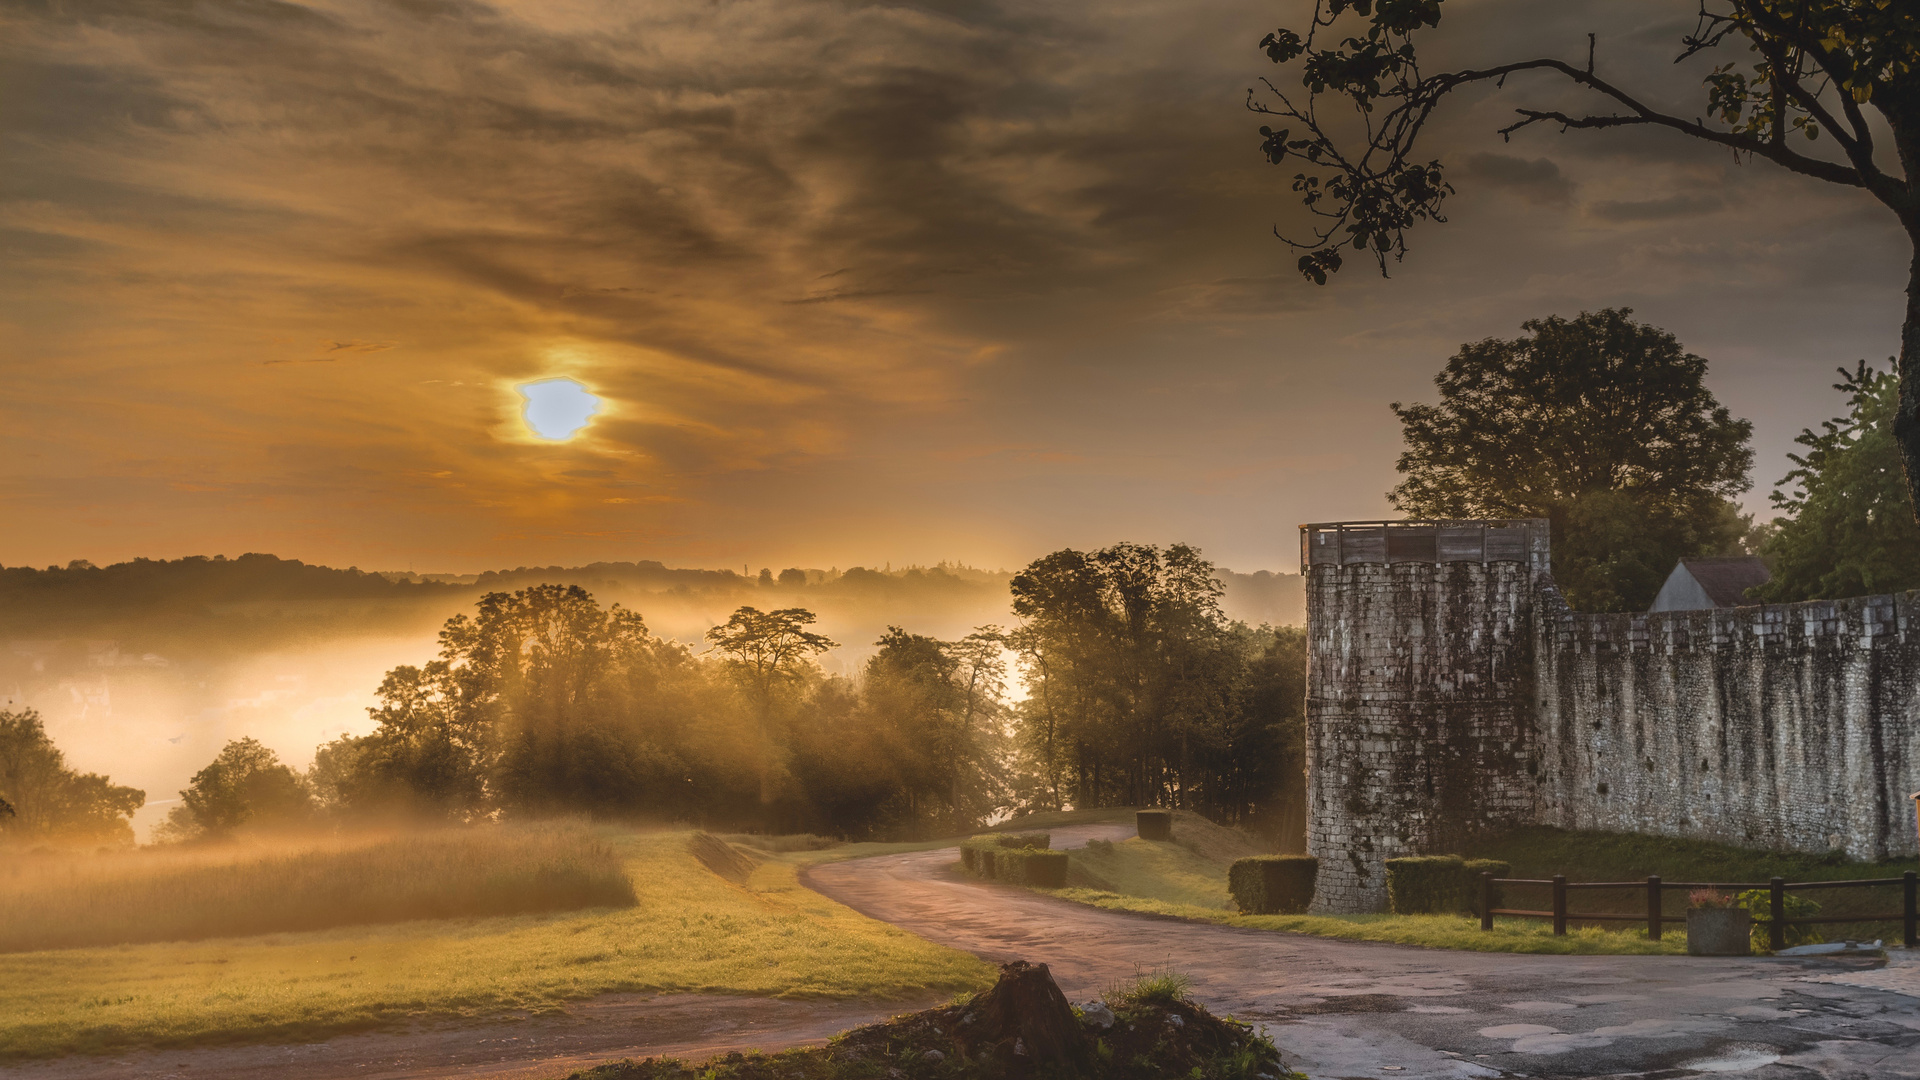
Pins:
<point x="1386" y="1012"/>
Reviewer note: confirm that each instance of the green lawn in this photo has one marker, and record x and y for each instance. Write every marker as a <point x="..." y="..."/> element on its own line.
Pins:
<point x="691" y="931"/>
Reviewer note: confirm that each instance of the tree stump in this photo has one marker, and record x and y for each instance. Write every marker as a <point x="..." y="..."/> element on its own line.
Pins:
<point x="1025" y="1019"/>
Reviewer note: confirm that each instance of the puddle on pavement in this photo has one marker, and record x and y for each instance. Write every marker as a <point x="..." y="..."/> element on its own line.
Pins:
<point x="1734" y="1059"/>
<point x="1516" y="1031"/>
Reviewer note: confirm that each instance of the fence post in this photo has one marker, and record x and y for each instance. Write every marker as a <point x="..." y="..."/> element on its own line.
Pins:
<point x="1911" y="908"/>
<point x="1776" y="924"/>
<point x="1486" y="901"/>
<point x="1653" y="907"/>
<point x="1559" y="905"/>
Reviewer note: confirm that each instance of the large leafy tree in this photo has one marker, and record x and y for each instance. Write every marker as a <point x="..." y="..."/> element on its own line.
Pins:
<point x="1844" y="528"/>
<point x="1793" y="72"/>
<point x="41" y="797"/>
<point x="1141" y="692"/>
<point x="245" y="786"/>
<point x="1601" y="425"/>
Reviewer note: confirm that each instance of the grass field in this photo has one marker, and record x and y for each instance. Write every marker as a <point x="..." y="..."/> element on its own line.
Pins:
<point x="186" y="894"/>
<point x="691" y="930"/>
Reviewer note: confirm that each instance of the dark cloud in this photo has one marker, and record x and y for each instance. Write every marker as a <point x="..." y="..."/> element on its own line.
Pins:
<point x="829" y="257"/>
<point x="1536" y="180"/>
<point x="1673" y="206"/>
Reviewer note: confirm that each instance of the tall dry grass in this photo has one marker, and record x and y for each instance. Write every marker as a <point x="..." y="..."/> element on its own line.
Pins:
<point x="55" y="901"/>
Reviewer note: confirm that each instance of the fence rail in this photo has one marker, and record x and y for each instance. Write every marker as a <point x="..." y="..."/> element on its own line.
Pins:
<point x="1777" y="889"/>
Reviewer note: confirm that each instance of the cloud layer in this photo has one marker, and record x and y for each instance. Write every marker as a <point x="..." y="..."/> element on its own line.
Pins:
<point x="856" y="281"/>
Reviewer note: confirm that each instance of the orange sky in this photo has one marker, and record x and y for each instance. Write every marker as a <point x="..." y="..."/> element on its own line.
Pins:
<point x="857" y="282"/>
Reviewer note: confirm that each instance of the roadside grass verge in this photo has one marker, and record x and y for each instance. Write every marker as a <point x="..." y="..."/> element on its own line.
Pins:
<point x="1433" y="931"/>
<point x="187" y="894"/>
<point x="1187" y="879"/>
<point x="1541" y="852"/>
<point x="690" y="931"/>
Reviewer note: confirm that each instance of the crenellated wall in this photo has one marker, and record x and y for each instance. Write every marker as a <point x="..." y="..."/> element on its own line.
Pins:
<point x="1791" y="726"/>
<point x="1451" y="690"/>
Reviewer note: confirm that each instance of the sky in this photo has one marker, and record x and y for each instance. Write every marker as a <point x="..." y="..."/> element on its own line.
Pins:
<point x="854" y="283"/>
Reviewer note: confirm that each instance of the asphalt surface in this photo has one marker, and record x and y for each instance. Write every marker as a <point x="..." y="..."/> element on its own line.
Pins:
<point x="1342" y="1009"/>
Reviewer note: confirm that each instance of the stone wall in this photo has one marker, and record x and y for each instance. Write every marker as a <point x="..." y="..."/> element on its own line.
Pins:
<point x="1450" y="690"/>
<point x="1419" y="707"/>
<point x="1789" y="726"/>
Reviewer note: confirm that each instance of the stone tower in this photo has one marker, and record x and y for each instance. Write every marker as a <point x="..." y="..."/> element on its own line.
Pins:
<point x="1420" y="691"/>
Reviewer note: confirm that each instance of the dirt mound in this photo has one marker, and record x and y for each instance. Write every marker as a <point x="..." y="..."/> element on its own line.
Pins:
<point x="986" y="1037"/>
<point x="721" y="857"/>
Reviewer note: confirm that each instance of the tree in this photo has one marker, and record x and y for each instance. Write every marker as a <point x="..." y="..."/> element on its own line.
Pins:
<point x="1601" y="425"/>
<point x="1816" y="67"/>
<point x="767" y="649"/>
<point x="45" y="799"/>
<point x="1140" y="691"/>
<point x="1844" y="530"/>
<point x="244" y="786"/>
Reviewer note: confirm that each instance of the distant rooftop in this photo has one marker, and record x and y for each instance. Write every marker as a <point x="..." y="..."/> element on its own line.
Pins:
<point x="1697" y="584"/>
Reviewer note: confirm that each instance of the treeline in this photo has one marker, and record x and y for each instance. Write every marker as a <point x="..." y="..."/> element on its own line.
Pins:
<point x="1138" y="691"/>
<point x="544" y="702"/>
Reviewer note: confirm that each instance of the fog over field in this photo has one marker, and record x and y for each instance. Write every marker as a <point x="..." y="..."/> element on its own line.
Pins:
<point x="145" y="670"/>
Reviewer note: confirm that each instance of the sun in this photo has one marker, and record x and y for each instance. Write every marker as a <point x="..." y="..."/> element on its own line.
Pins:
<point x="557" y="409"/>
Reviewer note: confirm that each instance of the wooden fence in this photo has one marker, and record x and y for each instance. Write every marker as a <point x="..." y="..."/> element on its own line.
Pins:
<point x="1777" y="889"/>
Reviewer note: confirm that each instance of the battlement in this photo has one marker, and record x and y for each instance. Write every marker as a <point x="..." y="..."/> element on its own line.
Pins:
<point x="1523" y="540"/>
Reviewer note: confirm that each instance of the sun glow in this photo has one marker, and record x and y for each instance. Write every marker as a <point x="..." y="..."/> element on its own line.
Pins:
<point x="557" y="409"/>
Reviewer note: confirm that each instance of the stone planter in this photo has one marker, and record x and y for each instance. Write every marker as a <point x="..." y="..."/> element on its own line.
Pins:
<point x="1719" y="932"/>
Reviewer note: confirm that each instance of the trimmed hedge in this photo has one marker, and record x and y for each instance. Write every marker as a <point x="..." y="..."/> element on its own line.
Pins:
<point x="1273" y="884"/>
<point x="1154" y="824"/>
<point x="1472" y="869"/>
<point x="977" y="853"/>
<point x="1425" y="884"/>
<point x="1440" y="884"/>
<point x="1031" y="866"/>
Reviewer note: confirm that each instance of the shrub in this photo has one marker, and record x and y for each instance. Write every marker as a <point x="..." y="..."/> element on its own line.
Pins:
<point x="1031" y="866"/>
<point x="1160" y="986"/>
<point x="1154" y="824"/>
<point x="1273" y="884"/>
<point x="1100" y="847"/>
<point x="1425" y="884"/>
<point x="1471" y="870"/>
<point x="978" y="853"/>
<point x="1759" y="904"/>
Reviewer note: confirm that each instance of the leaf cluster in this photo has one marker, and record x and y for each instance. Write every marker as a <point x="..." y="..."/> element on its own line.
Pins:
<point x="1846" y="527"/>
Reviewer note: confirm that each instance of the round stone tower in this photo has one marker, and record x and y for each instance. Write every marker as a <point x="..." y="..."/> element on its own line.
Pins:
<point x="1420" y="718"/>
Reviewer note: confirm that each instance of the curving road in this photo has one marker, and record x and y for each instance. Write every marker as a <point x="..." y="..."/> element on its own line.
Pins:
<point x="1354" y="1009"/>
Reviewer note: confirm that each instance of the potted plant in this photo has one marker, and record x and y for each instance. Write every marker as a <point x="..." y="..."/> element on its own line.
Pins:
<point x="1717" y="925"/>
